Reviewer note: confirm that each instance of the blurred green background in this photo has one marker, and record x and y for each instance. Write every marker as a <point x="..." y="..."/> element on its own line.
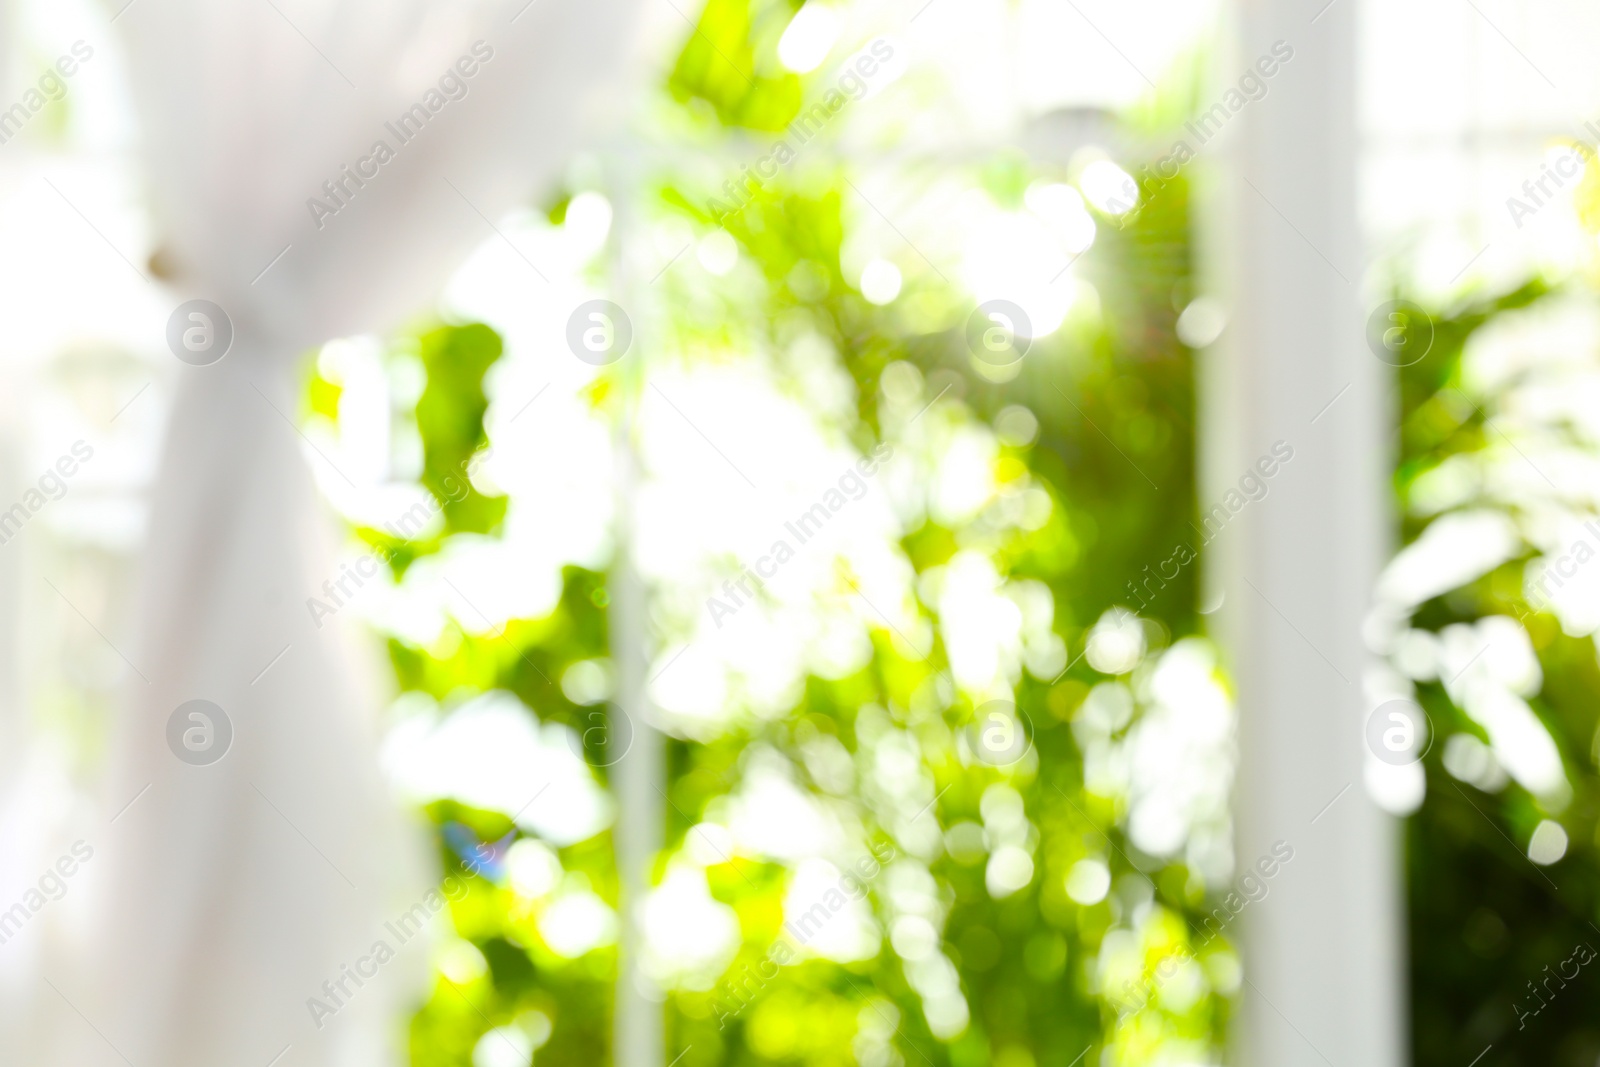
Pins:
<point x="1049" y="905"/>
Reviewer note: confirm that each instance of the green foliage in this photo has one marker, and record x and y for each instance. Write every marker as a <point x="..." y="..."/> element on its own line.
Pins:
<point x="1113" y="395"/>
<point x="1049" y="981"/>
<point x="727" y="63"/>
<point x="1487" y="926"/>
<point x="450" y="419"/>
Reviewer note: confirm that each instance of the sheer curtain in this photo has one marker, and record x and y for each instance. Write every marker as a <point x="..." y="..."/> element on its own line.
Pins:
<point x="231" y="892"/>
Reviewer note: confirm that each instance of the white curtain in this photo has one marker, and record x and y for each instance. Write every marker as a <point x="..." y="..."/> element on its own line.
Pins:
<point x="231" y="892"/>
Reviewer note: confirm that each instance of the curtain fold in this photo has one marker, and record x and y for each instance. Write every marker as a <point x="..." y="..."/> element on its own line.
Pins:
<point x="232" y="891"/>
